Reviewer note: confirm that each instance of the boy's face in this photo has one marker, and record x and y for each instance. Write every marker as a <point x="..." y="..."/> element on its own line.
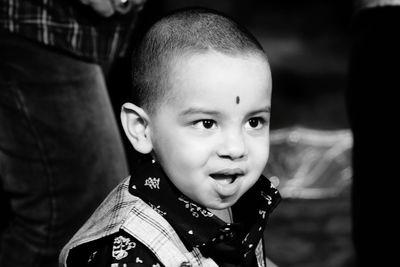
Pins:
<point x="212" y="136"/>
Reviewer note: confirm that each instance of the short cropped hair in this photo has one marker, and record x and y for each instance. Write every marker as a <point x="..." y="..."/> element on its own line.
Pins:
<point x="183" y="32"/>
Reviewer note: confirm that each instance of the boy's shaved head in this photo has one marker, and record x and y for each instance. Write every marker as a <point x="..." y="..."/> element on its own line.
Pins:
<point x="182" y="33"/>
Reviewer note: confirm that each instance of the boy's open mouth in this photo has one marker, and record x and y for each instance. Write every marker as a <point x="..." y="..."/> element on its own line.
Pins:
<point x="227" y="176"/>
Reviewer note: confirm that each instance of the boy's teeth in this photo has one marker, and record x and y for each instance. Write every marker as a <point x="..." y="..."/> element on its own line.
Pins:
<point x="225" y="181"/>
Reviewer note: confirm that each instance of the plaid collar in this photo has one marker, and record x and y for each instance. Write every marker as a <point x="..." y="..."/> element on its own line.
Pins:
<point x="198" y="227"/>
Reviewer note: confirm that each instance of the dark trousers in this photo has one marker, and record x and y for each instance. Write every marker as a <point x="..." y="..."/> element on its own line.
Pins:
<point x="60" y="149"/>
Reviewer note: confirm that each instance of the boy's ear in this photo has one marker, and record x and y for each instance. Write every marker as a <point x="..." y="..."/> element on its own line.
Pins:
<point x="135" y="123"/>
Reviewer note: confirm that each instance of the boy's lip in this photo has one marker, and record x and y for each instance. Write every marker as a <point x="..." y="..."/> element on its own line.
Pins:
<point x="226" y="181"/>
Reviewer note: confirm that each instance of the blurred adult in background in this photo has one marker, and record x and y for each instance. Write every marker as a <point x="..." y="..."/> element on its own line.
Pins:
<point x="372" y="104"/>
<point x="60" y="148"/>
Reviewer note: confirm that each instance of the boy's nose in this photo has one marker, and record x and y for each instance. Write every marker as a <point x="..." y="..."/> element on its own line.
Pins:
<point x="233" y="146"/>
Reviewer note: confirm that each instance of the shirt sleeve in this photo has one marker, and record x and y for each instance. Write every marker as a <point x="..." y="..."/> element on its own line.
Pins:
<point x="117" y="250"/>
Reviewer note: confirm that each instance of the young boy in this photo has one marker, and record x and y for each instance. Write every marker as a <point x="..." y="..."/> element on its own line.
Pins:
<point x="198" y="197"/>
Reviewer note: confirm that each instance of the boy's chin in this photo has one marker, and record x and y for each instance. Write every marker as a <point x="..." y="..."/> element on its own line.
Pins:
<point x="222" y="205"/>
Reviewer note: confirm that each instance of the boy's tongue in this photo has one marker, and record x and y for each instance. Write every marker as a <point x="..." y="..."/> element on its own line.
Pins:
<point x="224" y="178"/>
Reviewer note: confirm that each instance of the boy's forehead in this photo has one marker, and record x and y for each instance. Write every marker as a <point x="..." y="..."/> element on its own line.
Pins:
<point x="179" y="63"/>
<point x="183" y="63"/>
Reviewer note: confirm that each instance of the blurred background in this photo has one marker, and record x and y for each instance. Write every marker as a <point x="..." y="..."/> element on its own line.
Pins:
<point x="308" y="47"/>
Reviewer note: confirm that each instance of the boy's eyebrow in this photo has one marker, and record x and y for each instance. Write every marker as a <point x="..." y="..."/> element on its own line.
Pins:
<point x="264" y="109"/>
<point x="192" y="110"/>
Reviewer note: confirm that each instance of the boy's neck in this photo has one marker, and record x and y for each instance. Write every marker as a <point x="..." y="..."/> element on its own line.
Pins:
<point x="225" y="214"/>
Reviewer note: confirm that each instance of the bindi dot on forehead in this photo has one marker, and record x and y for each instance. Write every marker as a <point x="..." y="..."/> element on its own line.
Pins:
<point x="237" y="100"/>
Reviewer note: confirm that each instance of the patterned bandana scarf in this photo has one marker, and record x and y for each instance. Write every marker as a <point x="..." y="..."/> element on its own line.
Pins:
<point x="228" y="244"/>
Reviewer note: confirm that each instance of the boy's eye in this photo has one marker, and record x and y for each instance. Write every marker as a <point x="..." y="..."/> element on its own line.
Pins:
<point x="205" y="124"/>
<point x="255" y="123"/>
